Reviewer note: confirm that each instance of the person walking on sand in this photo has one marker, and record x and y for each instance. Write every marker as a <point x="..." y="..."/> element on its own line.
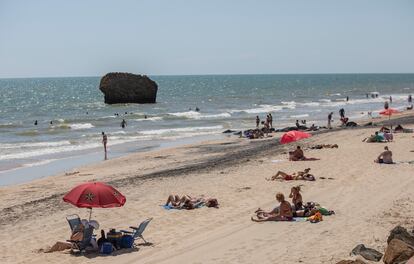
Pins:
<point x="123" y="123"/>
<point x="342" y="112"/>
<point x="104" y="142"/>
<point x="270" y="120"/>
<point x="330" y="120"/>
<point x="257" y="121"/>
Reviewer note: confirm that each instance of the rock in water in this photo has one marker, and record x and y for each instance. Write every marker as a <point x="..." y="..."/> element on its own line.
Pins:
<point x="119" y="88"/>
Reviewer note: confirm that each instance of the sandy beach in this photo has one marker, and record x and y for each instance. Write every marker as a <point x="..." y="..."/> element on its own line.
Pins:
<point x="369" y="199"/>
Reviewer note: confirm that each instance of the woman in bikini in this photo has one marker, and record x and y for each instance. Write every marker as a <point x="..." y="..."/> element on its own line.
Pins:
<point x="284" y="213"/>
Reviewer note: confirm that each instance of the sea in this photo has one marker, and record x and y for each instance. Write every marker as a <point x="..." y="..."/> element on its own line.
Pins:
<point x="71" y="113"/>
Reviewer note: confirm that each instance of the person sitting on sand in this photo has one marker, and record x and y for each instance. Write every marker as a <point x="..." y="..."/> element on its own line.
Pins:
<point x="77" y="235"/>
<point x="282" y="213"/>
<point x="300" y="175"/>
<point x="297" y="155"/>
<point x="297" y="202"/>
<point x="374" y="138"/>
<point x="385" y="157"/>
<point x="385" y="129"/>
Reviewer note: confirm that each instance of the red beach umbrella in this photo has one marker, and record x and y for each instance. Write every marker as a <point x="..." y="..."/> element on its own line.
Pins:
<point x="94" y="194"/>
<point x="293" y="135"/>
<point x="389" y="111"/>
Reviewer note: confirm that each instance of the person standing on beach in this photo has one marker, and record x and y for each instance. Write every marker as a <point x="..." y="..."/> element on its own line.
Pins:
<point x="347" y="98"/>
<point x="270" y="120"/>
<point x="330" y="120"/>
<point x="123" y="123"/>
<point x="104" y="142"/>
<point x="257" y="121"/>
<point x="390" y="99"/>
<point x="342" y="112"/>
<point x="410" y="99"/>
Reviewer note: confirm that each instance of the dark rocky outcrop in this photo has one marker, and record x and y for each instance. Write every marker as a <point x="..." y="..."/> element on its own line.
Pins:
<point x="121" y="87"/>
<point x="402" y="234"/>
<point x="398" y="252"/>
<point x="367" y="253"/>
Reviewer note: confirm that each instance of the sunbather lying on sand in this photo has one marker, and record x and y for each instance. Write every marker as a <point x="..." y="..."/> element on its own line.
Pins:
<point x="325" y="146"/>
<point x="282" y="213"/>
<point x="188" y="202"/>
<point x="297" y="155"/>
<point x="300" y="175"/>
<point x="385" y="157"/>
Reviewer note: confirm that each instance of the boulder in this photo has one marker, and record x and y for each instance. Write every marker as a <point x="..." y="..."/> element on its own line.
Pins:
<point x="402" y="234"/>
<point x="367" y="253"/>
<point x="120" y="88"/>
<point x="398" y="252"/>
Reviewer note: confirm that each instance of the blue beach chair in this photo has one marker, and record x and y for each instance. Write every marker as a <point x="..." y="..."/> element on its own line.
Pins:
<point x="73" y="221"/>
<point x="138" y="231"/>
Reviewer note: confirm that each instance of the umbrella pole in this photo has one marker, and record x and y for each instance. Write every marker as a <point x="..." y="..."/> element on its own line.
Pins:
<point x="90" y="214"/>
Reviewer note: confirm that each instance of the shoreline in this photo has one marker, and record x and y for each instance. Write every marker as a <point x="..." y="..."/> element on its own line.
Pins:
<point x="232" y="170"/>
<point x="26" y="174"/>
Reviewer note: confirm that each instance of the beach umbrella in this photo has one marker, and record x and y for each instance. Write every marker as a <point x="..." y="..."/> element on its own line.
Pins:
<point x="293" y="135"/>
<point x="389" y="111"/>
<point x="94" y="195"/>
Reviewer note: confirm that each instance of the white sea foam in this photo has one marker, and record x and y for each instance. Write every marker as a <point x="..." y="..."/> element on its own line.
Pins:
<point x="181" y="129"/>
<point x="198" y="115"/>
<point x="47" y="151"/>
<point x="299" y="116"/>
<point x="155" y="118"/>
<point x="188" y="114"/>
<point x="34" y="144"/>
<point x="81" y="126"/>
<point x="268" y="108"/>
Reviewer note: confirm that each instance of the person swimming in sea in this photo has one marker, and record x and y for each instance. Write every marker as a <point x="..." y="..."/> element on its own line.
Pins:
<point x="197" y="109"/>
<point x="35" y="123"/>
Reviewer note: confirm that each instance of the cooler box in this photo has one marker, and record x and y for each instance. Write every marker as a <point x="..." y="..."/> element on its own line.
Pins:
<point x="106" y="248"/>
<point x="127" y="241"/>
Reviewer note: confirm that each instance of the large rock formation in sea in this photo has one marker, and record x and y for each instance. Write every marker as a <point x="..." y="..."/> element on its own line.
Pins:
<point x="119" y="87"/>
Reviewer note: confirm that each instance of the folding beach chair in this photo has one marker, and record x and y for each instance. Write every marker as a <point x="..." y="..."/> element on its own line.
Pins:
<point x="86" y="240"/>
<point x="137" y="233"/>
<point x="73" y="221"/>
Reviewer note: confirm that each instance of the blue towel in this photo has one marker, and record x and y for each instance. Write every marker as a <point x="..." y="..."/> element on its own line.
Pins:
<point x="300" y="219"/>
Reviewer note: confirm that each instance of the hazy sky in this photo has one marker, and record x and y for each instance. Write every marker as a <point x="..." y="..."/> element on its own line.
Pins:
<point x="90" y="38"/>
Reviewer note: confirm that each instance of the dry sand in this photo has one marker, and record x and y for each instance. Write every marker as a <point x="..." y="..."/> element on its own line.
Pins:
<point x="368" y="198"/>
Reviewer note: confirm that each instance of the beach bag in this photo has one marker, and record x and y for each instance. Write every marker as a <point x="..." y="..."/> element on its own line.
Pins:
<point x="127" y="241"/>
<point x="106" y="248"/>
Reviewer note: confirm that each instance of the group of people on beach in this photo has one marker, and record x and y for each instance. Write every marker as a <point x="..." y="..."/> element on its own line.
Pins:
<point x="286" y="211"/>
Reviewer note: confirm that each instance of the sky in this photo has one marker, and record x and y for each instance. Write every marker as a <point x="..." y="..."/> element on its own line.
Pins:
<point x="58" y="38"/>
